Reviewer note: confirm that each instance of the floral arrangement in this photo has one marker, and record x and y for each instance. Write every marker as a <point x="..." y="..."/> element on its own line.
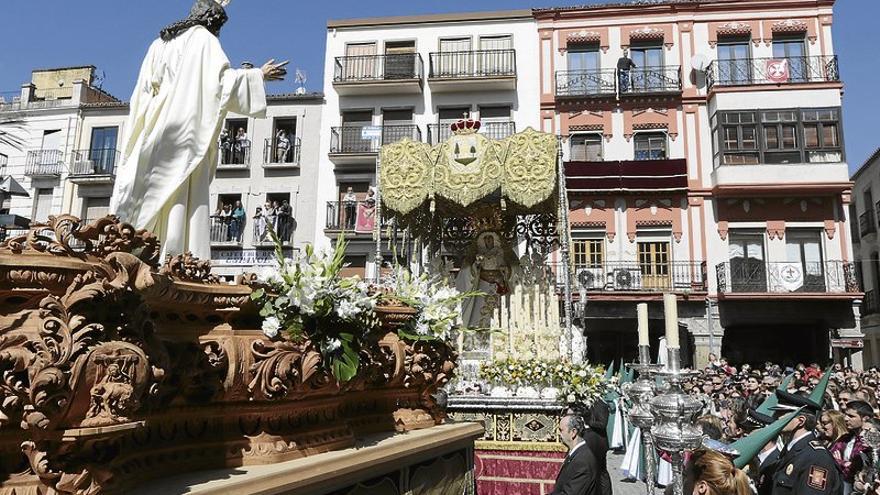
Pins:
<point x="577" y="383"/>
<point x="306" y="298"/>
<point x="437" y="305"/>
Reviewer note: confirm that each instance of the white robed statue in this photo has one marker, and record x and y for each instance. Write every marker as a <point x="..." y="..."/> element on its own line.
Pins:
<point x="183" y="93"/>
<point x="488" y="272"/>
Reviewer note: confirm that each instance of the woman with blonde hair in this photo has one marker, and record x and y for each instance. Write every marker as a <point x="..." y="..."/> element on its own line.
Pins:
<point x="711" y="473"/>
<point x="831" y="427"/>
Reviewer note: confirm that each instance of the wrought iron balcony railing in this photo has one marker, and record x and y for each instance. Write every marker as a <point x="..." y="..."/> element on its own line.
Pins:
<point x="373" y="68"/>
<point x="474" y="63"/>
<point x="437" y="133"/>
<point x="368" y="139"/>
<point x="745" y="276"/>
<point x="586" y="83"/>
<point x="95" y="162"/>
<point x="281" y="153"/>
<point x="226" y="230"/>
<point x="44" y="163"/>
<point x="870" y="303"/>
<point x="867" y="224"/>
<point x="283" y="225"/>
<point x="235" y="154"/>
<point x="782" y="70"/>
<point x="352" y="216"/>
<point x="650" y="80"/>
<point x="632" y="276"/>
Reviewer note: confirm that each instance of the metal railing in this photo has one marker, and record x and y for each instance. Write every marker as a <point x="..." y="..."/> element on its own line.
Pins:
<point x="867" y="225"/>
<point x="276" y="153"/>
<point x="782" y="70"/>
<point x="870" y="303"/>
<point x="368" y="139"/>
<point x="472" y="63"/>
<point x="44" y="163"/>
<point x="102" y="161"/>
<point x="438" y="133"/>
<point x="283" y="225"/>
<point x="746" y="276"/>
<point x="235" y="154"/>
<point x="632" y="276"/>
<point x="226" y="230"/>
<point x="352" y="216"/>
<point x="371" y="68"/>
<point x="600" y="82"/>
<point x="650" y="80"/>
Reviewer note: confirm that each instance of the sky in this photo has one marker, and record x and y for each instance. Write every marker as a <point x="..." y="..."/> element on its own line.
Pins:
<point x="114" y="35"/>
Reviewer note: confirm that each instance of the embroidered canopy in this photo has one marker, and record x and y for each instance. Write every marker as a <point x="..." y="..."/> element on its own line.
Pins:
<point x="469" y="167"/>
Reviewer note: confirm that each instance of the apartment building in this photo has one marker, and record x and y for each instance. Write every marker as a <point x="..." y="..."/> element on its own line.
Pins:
<point x="704" y="156"/>
<point x="866" y="249"/>
<point x="391" y="78"/>
<point x="43" y="123"/>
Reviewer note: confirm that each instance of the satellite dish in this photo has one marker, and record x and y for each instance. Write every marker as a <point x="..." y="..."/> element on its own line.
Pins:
<point x="700" y="62"/>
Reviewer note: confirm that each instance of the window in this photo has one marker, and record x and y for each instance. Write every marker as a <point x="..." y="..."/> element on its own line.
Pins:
<point x="496" y="56"/>
<point x="396" y="125"/>
<point x="282" y="146"/>
<point x="650" y="146"/>
<point x="748" y="271"/>
<point x="496" y="122"/>
<point x="454" y="59"/>
<point x="811" y="135"/>
<point x="95" y="208"/>
<point x="586" y="148"/>
<point x="794" y="50"/>
<point x="589" y="253"/>
<point x="734" y="61"/>
<point x="102" y="152"/>
<point x="803" y="249"/>
<point x="235" y="144"/>
<point x="654" y="264"/>
<point x="446" y="117"/>
<point x="360" y="62"/>
<point x="649" y="74"/>
<point x="400" y="60"/>
<point x="43" y="204"/>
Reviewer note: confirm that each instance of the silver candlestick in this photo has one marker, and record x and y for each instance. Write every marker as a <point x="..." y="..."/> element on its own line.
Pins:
<point x="639" y="394"/>
<point x="674" y="414"/>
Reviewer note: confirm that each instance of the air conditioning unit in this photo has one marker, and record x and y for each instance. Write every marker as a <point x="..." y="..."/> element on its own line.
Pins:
<point x="591" y="278"/>
<point x="627" y="278"/>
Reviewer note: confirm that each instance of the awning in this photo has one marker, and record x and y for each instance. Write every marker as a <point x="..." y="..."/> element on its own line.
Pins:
<point x="10" y="186"/>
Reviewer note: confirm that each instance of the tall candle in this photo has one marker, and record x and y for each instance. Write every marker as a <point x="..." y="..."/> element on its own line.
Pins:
<point x="642" y="310"/>
<point x="670" y="310"/>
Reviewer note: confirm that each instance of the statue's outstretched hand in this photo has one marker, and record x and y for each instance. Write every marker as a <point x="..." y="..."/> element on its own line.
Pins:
<point x="273" y="71"/>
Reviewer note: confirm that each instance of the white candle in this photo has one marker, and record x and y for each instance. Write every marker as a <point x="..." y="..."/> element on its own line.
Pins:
<point x="642" y="310"/>
<point x="670" y="310"/>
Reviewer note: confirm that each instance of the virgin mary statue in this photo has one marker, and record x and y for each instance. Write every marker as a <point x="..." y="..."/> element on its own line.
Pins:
<point x="183" y="93"/>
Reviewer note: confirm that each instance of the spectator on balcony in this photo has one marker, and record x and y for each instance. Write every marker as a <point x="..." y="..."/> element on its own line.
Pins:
<point x="225" y="146"/>
<point x="270" y="214"/>
<point x="237" y="221"/>
<point x="242" y="146"/>
<point x="624" y="65"/>
<point x="349" y="204"/>
<point x="282" y="146"/>
<point x="259" y="225"/>
<point x="285" y="220"/>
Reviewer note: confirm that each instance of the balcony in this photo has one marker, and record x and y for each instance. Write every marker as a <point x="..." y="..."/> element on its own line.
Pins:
<point x="631" y="276"/>
<point x="235" y="155"/>
<point x="351" y="217"/>
<point x="475" y="70"/>
<point x="281" y="154"/>
<point x="95" y="166"/>
<point x="378" y="74"/>
<point x="792" y="279"/>
<point x="633" y="175"/>
<point x="44" y="163"/>
<point x="773" y="71"/>
<point x="867" y="224"/>
<point x="359" y="144"/>
<point x="438" y="133"/>
<point x="226" y="231"/>
<point x="282" y="225"/>
<point x="600" y="83"/>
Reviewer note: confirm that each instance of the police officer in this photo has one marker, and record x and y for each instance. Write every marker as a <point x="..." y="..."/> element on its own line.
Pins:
<point x="804" y="465"/>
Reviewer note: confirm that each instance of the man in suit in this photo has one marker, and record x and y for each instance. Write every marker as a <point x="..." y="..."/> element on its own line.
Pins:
<point x="579" y="472"/>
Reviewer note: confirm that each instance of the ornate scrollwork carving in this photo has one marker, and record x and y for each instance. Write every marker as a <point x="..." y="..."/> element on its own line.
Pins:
<point x="282" y="368"/>
<point x="188" y="268"/>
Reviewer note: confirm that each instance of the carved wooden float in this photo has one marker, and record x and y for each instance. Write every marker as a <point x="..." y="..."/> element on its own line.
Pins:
<point x="116" y="369"/>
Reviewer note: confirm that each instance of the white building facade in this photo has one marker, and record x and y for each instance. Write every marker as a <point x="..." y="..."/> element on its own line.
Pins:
<point x="390" y="78"/>
<point x="866" y="246"/>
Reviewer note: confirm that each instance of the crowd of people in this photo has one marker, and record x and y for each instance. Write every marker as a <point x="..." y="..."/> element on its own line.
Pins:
<point x="228" y="221"/>
<point x="767" y="430"/>
<point x="235" y="149"/>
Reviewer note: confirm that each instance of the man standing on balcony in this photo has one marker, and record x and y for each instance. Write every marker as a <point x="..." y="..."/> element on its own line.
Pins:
<point x="624" y="65"/>
<point x="184" y="91"/>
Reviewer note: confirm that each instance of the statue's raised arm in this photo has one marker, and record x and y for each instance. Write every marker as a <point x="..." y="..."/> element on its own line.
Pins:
<point x="185" y="88"/>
